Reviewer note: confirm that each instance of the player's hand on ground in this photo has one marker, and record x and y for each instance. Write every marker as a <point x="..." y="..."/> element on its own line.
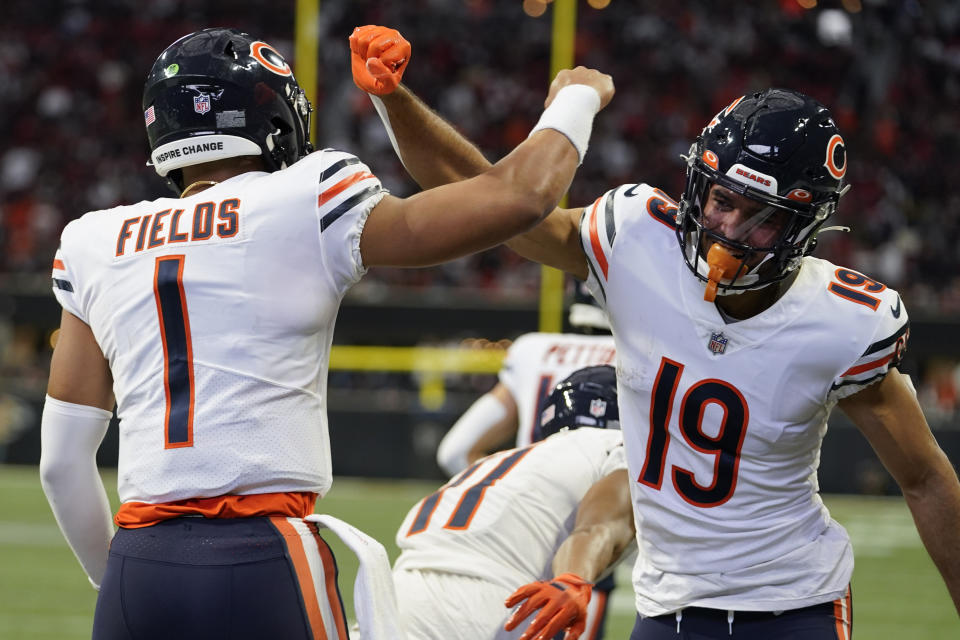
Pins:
<point x="601" y="83"/>
<point x="378" y="57"/>
<point x="562" y="602"/>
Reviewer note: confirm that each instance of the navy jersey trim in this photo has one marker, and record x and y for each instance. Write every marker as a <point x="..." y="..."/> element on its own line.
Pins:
<point x="337" y="166"/>
<point x="886" y="342"/>
<point x="586" y="255"/>
<point x="865" y="382"/>
<point x="346" y="205"/>
<point x="610" y="224"/>
<point x="63" y="284"/>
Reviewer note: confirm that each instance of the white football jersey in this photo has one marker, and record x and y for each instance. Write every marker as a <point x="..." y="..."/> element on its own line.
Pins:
<point x="216" y="314"/>
<point x="536" y="362"/>
<point x="503" y="518"/>
<point x="723" y="422"/>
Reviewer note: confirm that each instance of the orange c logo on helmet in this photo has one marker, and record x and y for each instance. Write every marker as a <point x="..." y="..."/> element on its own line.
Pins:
<point x="270" y="58"/>
<point x="711" y="159"/>
<point x="836" y="162"/>
<point x="800" y="195"/>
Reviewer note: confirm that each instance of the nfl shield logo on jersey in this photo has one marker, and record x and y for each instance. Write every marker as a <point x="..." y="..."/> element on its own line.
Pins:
<point x="598" y="408"/>
<point x="718" y="343"/>
<point x="201" y="104"/>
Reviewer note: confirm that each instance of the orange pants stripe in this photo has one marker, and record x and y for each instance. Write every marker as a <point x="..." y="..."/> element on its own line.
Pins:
<point x="317" y="574"/>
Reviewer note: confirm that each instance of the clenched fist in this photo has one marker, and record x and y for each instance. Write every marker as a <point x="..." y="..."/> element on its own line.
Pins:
<point x="378" y="57"/>
<point x="600" y="82"/>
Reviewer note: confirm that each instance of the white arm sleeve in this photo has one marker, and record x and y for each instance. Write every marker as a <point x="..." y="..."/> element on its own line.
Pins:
<point x="453" y="449"/>
<point x="70" y="435"/>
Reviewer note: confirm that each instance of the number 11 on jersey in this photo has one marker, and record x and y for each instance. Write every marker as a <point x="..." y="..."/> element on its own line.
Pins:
<point x="178" y="384"/>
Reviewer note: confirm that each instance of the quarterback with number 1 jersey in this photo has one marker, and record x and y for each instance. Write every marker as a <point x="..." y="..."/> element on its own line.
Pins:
<point x="723" y="422"/>
<point x="219" y="356"/>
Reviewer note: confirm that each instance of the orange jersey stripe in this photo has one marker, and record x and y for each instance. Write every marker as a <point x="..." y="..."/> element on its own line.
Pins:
<point x="134" y="515"/>
<point x="299" y="558"/>
<point x="841" y="615"/>
<point x="58" y="264"/>
<point x="595" y="239"/>
<point x="328" y="195"/>
<point x="330" y="575"/>
<point x="852" y="371"/>
<point x="601" y="598"/>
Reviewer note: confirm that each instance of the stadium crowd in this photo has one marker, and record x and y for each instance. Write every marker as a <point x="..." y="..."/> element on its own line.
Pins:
<point x="71" y="77"/>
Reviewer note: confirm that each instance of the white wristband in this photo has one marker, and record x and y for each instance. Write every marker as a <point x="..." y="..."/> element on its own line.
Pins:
<point x="571" y="113"/>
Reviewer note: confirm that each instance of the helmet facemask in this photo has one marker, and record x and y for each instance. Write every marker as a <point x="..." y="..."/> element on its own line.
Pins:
<point x="780" y="150"/>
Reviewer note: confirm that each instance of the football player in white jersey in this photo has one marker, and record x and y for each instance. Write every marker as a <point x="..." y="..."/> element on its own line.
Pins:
<point x="733" y="346"/>
<point x="551" y="517"/>
<point x="208" y="316"/>
<point x="510" y="411"/>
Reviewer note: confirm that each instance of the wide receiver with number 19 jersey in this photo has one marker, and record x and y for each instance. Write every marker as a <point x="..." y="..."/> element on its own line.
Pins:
<point x="733" y="346"/>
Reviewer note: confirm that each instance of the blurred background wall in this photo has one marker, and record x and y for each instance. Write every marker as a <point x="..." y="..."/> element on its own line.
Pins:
<point x="72" y="140"/>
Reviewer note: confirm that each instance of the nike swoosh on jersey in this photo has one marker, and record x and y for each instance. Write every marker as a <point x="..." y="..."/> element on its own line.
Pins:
<point x="632" y="191"/>
<point x="896" y="311"/>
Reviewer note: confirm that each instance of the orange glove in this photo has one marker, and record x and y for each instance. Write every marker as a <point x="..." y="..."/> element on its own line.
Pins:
<point x="378" y="57"/>
<point x="562" y="603"/>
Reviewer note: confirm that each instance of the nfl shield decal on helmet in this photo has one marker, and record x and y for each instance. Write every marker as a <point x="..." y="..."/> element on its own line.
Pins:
<point x="201" y="104"/>
<point x="718" y="343"/>
<point x="598" y="408"/>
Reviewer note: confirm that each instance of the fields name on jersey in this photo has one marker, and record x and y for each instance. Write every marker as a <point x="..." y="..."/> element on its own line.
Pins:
<point x="579" y="354"/>
<point x="171" y="226"/>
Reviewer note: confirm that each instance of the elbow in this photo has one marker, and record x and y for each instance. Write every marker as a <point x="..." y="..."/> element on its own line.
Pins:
<point x="531" y="200"/>
<point x="543" y="200"/>
<point x="450" y="459"/>
<point x="52" y="474"/>
<point x="532" y="205"/>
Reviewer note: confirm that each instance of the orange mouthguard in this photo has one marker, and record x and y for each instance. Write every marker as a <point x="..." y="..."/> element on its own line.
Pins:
<point x="723" y="266"/>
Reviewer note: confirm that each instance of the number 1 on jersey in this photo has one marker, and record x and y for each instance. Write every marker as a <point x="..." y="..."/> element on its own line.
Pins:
<point x="178" y="384"/>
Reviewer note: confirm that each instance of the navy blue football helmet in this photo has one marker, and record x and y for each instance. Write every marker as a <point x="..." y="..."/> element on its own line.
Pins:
<point x="220" y="93"/>
<point x="781" y="149"/>
<point x="585" y="398"/>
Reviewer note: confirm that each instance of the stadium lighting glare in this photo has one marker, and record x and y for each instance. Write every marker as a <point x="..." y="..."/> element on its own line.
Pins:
<point x="599" y="4"/>
<point x="534" y="8"/>
<point x="853" y="6"/>
<point x="807" y="4"/>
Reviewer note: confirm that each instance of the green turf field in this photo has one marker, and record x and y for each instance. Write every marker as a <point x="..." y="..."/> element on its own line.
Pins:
<point x="44" y="594"/>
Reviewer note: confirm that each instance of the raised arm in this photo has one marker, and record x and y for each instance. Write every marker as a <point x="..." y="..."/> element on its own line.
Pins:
<point x="435" y="154"/>
<point x="891" y="419"/>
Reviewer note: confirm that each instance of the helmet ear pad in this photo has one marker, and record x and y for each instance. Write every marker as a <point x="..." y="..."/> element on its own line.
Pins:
<point x="780" y="148"/>
<point x="585" y="398"/>
<point x="219" y="93"/>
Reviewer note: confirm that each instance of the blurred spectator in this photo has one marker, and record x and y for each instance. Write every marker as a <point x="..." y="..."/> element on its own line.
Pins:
<point x="71" y="74"/>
